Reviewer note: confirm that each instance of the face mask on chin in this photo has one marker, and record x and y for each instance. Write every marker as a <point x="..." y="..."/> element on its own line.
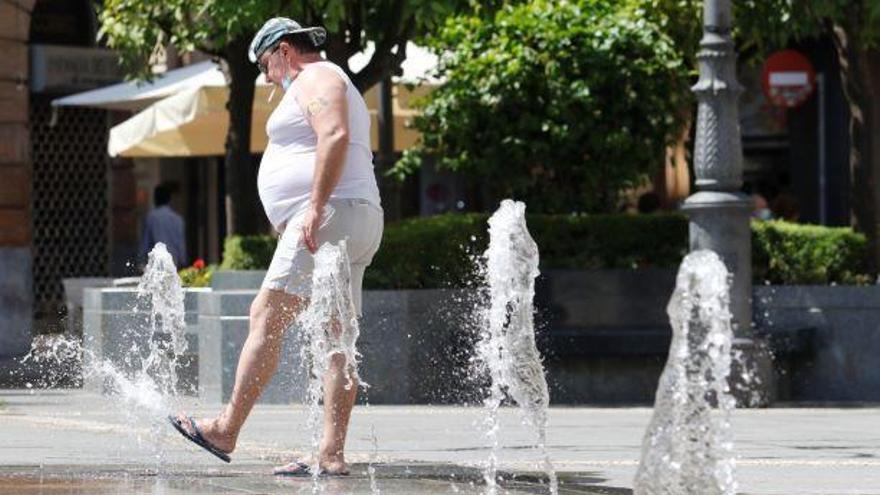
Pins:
<point x="286" y="80"/>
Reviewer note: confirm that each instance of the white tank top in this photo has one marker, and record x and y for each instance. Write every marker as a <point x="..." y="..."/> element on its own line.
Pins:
<point x="287" y="169"/>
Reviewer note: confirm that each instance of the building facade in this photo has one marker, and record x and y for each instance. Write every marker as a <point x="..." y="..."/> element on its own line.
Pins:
<point x="66" y="210"/>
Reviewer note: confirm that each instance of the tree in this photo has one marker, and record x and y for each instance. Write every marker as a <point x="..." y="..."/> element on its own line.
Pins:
<point x="853" y="26"/>
<point x="224" y="29"/>
<point x="560" y="104"/>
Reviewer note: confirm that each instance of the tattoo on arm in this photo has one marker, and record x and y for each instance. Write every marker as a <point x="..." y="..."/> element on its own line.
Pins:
<point x="317" y="105"/>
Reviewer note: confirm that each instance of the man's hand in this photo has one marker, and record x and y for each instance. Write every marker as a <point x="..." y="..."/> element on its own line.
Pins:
<point x="310" y="226"/>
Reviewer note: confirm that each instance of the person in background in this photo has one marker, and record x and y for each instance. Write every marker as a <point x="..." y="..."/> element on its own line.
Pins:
<point x="786" y="207"/>
<point x="761" y="209"/>
<point x="164" y="225"/>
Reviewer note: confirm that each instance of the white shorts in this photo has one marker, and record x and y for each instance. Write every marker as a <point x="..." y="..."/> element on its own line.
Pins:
<point x="357" y="221"/>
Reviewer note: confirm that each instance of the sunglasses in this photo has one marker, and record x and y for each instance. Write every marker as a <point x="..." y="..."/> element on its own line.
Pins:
<point x="264" y="68"/>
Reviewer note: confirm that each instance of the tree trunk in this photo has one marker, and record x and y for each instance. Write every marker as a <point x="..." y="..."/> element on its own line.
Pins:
<point x="860" y="68"/>
<point x="244" y="214"/>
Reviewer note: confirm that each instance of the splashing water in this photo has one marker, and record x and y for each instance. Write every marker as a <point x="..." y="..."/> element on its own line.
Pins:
<point x="142" y="383"/>
<point x="371" y="467"/>
<point x="506" y="350"/>
<point x="331" y="327"/>
<point x="160" y="287"/>
<point x="688" y="447"/>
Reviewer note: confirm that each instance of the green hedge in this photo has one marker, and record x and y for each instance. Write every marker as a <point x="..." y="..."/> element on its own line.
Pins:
<point x="252" y="252"/>
<point x="788" y="253"/>
<point x="438" y="251"/>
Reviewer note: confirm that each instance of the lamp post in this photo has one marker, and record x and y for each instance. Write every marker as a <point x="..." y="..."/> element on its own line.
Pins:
<point x="719" y="213"/>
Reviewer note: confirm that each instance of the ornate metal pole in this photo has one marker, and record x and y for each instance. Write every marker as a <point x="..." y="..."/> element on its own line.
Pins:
<point x="719" y="213"/>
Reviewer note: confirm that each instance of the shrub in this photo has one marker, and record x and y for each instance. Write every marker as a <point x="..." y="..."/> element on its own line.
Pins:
<point x="788" y="253"/>
<point x="196" y="275"/>
<point x="428" y="252"/>
<point x="439" y="251"/>
<point x="252" y="252"/>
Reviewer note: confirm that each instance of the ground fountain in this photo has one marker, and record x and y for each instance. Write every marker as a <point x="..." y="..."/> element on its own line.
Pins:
<point x="160" y="288"/>
<point x="688" y="447"/>
<point x="142" y="382"/>
<point x="329" y="327"/>
<point x="506" y="350"/>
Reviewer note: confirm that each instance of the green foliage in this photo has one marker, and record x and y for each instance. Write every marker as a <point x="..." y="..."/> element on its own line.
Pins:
<point x="428" y="252"/>
<point x="771" y="24"/>
<point x="252" y="252"/>
<point x="761" y="26"/>
<point x="440" y="251"/>
<point x="681" y="20"/>
<point x="193" y="276"/>
<point x="787" y="253"/>
<point x="559" y="104"/>
<point x="136" y="27"/>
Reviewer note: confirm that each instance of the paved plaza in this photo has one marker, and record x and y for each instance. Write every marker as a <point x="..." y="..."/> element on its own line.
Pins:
<point x="63" y="436"/>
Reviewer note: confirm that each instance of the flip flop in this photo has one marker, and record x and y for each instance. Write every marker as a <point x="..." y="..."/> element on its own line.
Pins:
<point x="196" y="437"/>
<point x="298" y="469"/>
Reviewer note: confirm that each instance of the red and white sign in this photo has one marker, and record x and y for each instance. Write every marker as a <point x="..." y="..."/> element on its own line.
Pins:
<point x="788" y="79"/>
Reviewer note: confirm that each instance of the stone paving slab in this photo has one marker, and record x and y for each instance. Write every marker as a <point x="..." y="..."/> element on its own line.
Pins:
<point x="781" y="451"/>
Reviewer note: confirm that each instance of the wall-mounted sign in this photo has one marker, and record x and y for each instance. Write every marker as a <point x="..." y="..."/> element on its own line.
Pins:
<point x="62" y="69"/>
<point x="788" y="79"/>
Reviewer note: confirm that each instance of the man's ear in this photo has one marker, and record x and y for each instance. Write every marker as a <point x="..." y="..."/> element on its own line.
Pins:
<point x="285" y="48"/>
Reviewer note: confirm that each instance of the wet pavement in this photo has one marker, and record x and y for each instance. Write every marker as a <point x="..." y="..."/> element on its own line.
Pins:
<point x="79" y="443"/>
<point x="403" y="479"/>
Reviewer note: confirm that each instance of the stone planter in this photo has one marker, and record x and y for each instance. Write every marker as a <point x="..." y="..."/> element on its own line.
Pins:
<point x="74" y="289"/>
<point x="832" y="338"/>
<point x="114" y="323"/>
<point x="415" y="344"/>
<point x="237" y="279"/>
<point x="604" y="333"/>
<point x="223" y="327"/>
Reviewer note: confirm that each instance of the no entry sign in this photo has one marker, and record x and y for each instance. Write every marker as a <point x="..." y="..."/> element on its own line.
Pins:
<point x="788" y="79"/>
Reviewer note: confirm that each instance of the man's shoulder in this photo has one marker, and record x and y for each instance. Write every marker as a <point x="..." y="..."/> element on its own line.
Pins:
<point x="322" y="75"/>
<point x="164" y="212"/>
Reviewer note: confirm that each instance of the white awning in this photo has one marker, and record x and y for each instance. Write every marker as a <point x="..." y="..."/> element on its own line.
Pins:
<point x="183" y="111"/>
<point x="195" y="122"/>
<point x="135" y="96"/>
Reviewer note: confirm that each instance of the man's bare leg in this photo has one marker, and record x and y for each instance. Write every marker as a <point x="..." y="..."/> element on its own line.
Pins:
<point x="339" y="397"/>
<point x="340" y="392"/>
<point x="271" y="313"/>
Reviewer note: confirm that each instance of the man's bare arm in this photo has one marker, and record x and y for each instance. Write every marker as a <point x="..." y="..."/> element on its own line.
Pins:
<point x="322" y="96"/>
